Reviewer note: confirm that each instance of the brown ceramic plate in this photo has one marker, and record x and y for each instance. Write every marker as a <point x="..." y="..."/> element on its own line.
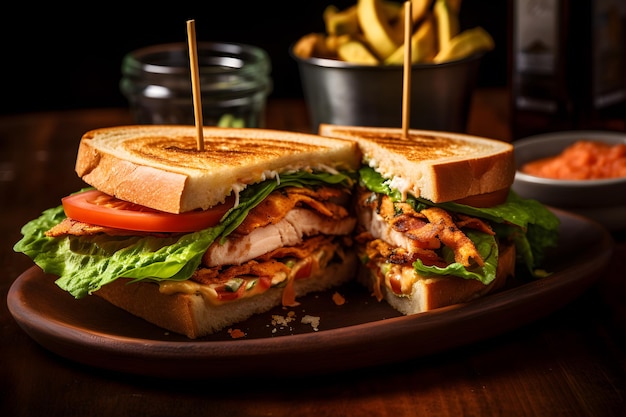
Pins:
<point x="360" y="333"/>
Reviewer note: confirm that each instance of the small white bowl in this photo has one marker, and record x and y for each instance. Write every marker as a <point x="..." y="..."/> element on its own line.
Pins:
<point x="602" y="200"/>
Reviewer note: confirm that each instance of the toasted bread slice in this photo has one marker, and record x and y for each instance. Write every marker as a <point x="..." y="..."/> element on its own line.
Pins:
<point x="159" y="166"/>
<point x="438" y="166"/>
<point x="428" y="293"/>
<point x="191" y="314"/>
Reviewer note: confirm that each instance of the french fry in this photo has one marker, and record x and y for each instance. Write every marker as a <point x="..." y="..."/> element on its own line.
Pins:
<point x="447" y="22"/>
<point x="333" y="42"/>
<point x="371" y="32"/>
<point x="419" y="8"/>
<point x="466" y="43"/>
<point x="423" y="44"/>
<point x="376" y="27"/>
<point x="357" y="53"/>
<point x="341" y="22"/>
<point x="306" y="46"/>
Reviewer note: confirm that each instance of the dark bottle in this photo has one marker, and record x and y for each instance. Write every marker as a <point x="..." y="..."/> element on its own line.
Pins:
<point x="567" y="65"/>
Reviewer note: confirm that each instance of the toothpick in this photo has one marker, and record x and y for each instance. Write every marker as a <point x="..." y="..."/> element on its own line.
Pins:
<point x="195" y="82"/>
<point x="406" y="86"/>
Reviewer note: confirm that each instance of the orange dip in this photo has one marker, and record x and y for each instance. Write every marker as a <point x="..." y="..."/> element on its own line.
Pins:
<point x="583" y="160"/>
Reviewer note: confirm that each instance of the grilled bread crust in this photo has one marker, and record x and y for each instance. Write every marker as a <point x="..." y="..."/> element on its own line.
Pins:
<point x="159" y="166"/>
<point x="438" y="166"/>
<point x="193" y="316"/>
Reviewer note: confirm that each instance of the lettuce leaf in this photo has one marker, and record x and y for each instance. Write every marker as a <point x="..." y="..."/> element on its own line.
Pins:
<point x="487" y="247"/>
<point x="85" y="263"/>
<point x="528" y="223"/>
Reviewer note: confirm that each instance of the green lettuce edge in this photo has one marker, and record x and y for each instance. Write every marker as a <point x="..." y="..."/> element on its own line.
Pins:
<point x="530" y="225"/>
<point x="84" y="264"/>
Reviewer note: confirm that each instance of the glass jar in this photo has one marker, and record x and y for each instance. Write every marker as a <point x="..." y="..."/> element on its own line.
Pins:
<point x="234" y="83"/>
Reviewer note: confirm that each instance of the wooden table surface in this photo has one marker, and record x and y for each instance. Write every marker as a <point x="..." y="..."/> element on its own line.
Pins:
<point x="570" y="363"/>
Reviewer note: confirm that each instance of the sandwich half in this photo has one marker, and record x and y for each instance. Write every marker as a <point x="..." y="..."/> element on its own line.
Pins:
<point x="195" y="241"/>
<point x="437" y="222"/>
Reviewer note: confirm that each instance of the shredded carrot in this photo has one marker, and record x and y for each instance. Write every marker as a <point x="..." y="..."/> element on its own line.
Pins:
<point x="338" y="299"/>
<point x="236" y="333"/>
<point x="583" y="160"/>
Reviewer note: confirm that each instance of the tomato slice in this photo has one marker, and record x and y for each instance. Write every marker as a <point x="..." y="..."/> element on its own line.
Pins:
<point x="98" y="208"/>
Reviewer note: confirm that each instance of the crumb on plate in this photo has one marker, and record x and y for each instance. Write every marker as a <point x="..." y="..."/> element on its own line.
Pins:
<point x="339" y="299"/>
<point x="236" y="333"/>
<point x="314" y="321"/>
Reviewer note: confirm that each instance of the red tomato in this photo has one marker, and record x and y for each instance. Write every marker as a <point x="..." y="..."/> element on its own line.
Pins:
<point x="96" y="207"/>
<point x="224" y="295"/>
<point x="264" y="282"/>
<point x="396" y="284"/>
<point x="305" y="270"/>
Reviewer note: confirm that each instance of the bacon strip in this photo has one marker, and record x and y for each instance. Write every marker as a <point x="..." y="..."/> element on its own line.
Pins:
<point x="377" y="250"/>
<point x="218" y="275"/>
<point x="266" y="265"/>
<point x="274" y="208"/>
<point x="451" y="236"/>
<point x="427" y="230"/>
<point x="77" y="228"/>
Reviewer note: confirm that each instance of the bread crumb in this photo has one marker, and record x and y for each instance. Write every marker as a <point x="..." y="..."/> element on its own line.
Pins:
<point x="236" y="333"/>
<point x="338" y="299"/>
<point x="314" y="321"/>
<point x="283" y="321"/>
<point x="278" y="320"/>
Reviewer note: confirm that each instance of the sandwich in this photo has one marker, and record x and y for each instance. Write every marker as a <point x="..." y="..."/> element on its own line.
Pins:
<point x="193" y="240"/>
<point x="438" y="223"/>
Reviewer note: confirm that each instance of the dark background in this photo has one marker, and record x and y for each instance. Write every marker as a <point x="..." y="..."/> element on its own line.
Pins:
<point x="61" y="57"/>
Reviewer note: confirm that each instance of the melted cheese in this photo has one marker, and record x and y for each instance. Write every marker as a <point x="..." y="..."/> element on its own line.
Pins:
<point x="210" y="294"/>
<point x="406" y="276"/>
<point x="316" y="260"/>
<point x="394" y="278"/>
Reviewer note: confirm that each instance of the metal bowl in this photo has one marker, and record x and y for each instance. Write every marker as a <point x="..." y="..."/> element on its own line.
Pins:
<point x="603" y="200"/>
<point x="342" y="93"/>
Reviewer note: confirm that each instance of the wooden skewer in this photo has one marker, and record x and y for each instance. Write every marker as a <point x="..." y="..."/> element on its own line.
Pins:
<point x="406" y="86"/>
<point x="195" y="82"/>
